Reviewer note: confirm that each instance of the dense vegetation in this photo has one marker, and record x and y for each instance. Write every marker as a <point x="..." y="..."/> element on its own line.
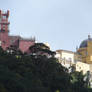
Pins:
<point x="37" y="73"/>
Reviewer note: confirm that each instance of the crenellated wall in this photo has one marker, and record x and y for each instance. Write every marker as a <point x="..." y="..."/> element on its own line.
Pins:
<point x="6" y="40"/>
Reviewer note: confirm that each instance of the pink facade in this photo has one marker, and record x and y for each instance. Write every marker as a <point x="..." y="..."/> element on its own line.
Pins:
<point x="6" y="41"/>
<point x="25" y="44"/>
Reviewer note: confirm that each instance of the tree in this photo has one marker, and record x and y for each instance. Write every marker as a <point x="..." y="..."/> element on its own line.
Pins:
<point x="87" y="79"/>
<point x="41" y="49"/>
<point x="41" y="74"/>
<point x="14" y="50"/>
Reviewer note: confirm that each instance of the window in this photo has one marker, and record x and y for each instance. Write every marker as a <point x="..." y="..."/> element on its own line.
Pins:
<point x="70" y="59"/>
<point x="79" y="67"/>
<point x="3" y="27"/>
<point x="4" y="17"/>
<point x="0" y="43"/>
<point x="0" y="19"/>
<point x="86" y="53"/>
<point x="0" y="26"/>
<point x="4" y="42"/>
<point x="11" y="41"/>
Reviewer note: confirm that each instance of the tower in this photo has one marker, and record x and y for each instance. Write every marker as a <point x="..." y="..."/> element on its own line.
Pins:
<point x="4" y="29"/>
<point x="85" y="50"/>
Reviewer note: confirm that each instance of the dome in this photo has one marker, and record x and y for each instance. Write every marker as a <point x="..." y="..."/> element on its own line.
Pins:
<point x="85" y="42"/>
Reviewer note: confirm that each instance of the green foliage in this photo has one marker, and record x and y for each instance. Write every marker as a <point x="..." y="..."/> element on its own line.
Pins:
<point x="37" y="74"/>
<point x="79" y="84"/>
<point x="40" y="49"/>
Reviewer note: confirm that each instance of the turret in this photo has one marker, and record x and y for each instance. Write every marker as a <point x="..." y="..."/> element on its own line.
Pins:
<point x="4" y="23"/>
<point x="4" y="29"/>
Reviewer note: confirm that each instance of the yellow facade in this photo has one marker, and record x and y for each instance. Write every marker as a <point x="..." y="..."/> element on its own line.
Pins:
<point x="86" y="51"/>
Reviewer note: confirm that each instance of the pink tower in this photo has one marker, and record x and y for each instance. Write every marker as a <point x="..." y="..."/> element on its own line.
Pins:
<point x="4" y="30"/>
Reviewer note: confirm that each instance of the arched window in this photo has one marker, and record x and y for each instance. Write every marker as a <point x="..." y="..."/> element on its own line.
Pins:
<point x="0" y="43"/>
<point x="0" y="26"/>
<point x="4" y="27"/>
<point x="4" y="17"/>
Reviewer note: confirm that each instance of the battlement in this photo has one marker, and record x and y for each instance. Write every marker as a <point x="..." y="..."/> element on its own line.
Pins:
<point x="2" y="13"/>
<point x="28" y="39"/>
<point x="4" y="23"/>
<point x="7" y="41"/>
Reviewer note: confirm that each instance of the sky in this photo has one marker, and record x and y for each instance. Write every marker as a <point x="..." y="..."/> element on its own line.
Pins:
<point x="64" y="24"/>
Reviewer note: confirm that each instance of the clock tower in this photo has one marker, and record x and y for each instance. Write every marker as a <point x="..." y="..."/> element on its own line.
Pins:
<point x="4" y="30"/>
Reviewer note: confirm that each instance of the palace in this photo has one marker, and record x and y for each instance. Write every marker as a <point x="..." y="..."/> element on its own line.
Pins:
<point x="85" y="50"/>
<point x="81" y="59"/>
<point x="7" y="40"/>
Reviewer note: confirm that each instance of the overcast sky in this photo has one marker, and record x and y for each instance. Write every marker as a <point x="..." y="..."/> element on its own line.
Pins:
<point x="61" y="23"/>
